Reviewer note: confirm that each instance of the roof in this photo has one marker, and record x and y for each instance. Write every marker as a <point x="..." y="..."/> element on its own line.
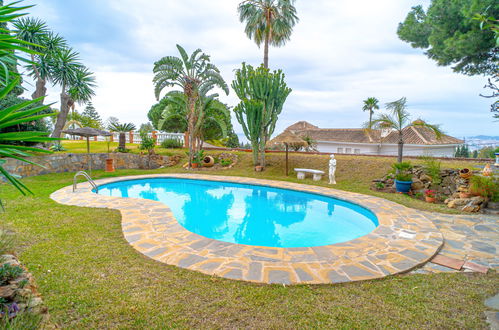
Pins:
<point x="301" y="125"/>
<point x="289" y="138"/>
<point x="422" y="136"/>
<point x="412" y="135"/>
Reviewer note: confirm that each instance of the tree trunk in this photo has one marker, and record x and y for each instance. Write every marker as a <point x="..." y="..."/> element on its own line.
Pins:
<point x="40" y="90"/>
<point x="370" y="117"/>
<point x="266" y="53"/>
<point x="192" y="110"/>
<point x="122" y="141"/>
<point x="62" y="116"/>
<point x="400" y="148"/>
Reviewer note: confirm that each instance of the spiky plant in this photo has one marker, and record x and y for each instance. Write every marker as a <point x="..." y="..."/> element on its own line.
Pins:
<point x="121" y="129"/>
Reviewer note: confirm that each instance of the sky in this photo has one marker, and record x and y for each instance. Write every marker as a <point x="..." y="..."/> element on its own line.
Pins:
<point x="340" y="53"/>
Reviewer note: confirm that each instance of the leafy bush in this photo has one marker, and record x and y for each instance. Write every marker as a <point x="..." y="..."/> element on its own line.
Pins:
<point x="402" y="171"/>
<point x="9" y="272"/>
<point x="225" y="162"/>
<point x="147" y="143"/>
<point x="485" y="187"/>
<point x="432" y="167"/>
<point x="198" y="157"/>
<point x="171" y="143"/>
<point x="57" y="147"/>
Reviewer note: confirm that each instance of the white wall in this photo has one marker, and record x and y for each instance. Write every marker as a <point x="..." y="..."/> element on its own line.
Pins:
<point x="385" y="149"/>
<point x="332" y="147"/>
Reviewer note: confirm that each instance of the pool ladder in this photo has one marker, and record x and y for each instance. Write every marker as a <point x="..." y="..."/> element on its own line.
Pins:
<point x="89" y="179"/>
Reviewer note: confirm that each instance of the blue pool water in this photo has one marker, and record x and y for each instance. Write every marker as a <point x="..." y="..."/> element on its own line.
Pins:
<point x="252" y="214"/>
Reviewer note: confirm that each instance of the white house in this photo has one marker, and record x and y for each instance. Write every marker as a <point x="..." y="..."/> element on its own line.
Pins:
<point x="418" y="141"/>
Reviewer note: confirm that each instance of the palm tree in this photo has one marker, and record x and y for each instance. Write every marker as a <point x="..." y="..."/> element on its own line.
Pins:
<point x="195" y="75"/>
<point x="76" y="82"/>
<point x="122" y="129"/>
<point x="209" y="110"/>
<point x="398" y="119"/>
<point x="269" y="22"/>
<point x="370" y="104"/>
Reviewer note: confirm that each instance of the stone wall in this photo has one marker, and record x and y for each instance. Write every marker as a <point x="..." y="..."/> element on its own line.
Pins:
<point x="67" y="162"/>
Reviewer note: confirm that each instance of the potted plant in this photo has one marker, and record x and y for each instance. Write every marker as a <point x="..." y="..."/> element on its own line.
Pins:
<point x="430" y="196"/>
<point x="197" y="159"/>
<point x="403" y="177"/>
<point x="109" y="160"/>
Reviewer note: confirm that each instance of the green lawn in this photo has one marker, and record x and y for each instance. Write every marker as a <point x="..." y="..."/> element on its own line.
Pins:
<point x="91" y="278"/>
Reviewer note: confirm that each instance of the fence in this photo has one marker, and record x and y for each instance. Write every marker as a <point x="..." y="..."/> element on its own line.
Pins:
<point x="134" y="137"/>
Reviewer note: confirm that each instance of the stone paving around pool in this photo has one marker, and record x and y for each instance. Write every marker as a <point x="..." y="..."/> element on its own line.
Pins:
<point x="404" y="239"/>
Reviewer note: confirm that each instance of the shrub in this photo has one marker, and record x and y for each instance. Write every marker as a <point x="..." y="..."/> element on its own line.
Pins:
<point x="198" y="157"/>
<point x="57" y="147"/>
<point x="171" y="144"/>
<point x="430" y="193"/>
<point x="147" y="143"/>
<point x="9" y="272"/>
<point x="485" y="186"/>
<point x="432" y="168"/>
<point x="225" y="162"/>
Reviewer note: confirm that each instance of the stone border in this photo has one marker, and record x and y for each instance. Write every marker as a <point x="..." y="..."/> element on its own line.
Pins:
<point x="404" y="239"/>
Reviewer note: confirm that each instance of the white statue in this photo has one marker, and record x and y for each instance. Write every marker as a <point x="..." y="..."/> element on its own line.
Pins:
<point x="332" y="170"/>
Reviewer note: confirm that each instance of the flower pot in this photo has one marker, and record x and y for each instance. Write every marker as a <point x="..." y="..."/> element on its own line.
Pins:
<point x="258" y="168"/>
<point x="430" y="199"/>
<point x="109" y="165"/>
<point x="465" y="173"/>
<point x="195" y="165"/>
<point x="403" y="186"/>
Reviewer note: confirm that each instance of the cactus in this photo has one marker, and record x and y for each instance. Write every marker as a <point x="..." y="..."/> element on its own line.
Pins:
<point x="262" y="94"/>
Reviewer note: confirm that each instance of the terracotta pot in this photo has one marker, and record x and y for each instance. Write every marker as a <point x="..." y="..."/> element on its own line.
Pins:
<point x="195" y="165"/>
<point x="258" y="168"/>
<point x="430" y="199"/>
<point x="465" y="173"/>
<point x="109" y="165"/>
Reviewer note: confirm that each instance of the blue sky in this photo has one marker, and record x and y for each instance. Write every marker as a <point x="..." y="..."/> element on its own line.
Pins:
<point x="341" y="52"/>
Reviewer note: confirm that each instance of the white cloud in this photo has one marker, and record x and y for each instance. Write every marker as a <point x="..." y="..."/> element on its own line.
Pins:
<point x="340" y="53"/>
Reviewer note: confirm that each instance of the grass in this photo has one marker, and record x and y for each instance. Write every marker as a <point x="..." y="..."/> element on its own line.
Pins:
<point x="91" y="278"/>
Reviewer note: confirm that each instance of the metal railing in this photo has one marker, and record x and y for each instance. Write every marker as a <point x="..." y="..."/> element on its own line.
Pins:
<point x="89" y="179"/>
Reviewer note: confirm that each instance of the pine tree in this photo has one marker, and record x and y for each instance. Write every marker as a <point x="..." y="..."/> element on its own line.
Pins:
<point x="475" y="154"/>
<point x="458" y="152"/>
<point x="91" y="113"/>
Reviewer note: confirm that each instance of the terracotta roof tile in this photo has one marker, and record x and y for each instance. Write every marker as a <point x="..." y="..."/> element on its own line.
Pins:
<point x="421" y="136"/>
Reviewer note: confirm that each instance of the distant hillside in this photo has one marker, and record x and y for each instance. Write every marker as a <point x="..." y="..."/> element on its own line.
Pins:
<point x="483" y="137"/>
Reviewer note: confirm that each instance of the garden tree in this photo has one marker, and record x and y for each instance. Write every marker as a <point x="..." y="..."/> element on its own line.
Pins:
<point x="487" y="152"/>
<point x="121" y="129"/>
<point x="17" y="113"/>
<point x="268" y="22"/>
<point x="475" y="153"/>
<point x="146" y="128"/>
<point x="156" y="111"/>
<point x="397" y="119"/>
<point x="196" y="76"/>
<point x="262" y="94"/>
<point x="462" y="151"/>
<point x="213" y="117"/>
<point x="76" y="82"/>
<point x="44" y="43"/>
<point x="370" y="104"/>
<point x="450" y="36"/>
<point x="91" y="113"/>
<point x="82" y="120"/>
<point x="494" y="86"/>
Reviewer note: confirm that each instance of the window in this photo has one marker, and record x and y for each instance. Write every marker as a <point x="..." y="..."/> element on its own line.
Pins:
<point x="348" y="150"/>
<point x="356" y="151"/>
<point x="340" y="150"/>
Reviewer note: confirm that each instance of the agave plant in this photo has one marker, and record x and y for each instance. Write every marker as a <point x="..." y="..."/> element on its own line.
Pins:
<point x="122" y="129"/>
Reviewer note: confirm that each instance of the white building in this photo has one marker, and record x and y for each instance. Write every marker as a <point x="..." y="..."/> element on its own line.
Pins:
<point x="418" y="141"/>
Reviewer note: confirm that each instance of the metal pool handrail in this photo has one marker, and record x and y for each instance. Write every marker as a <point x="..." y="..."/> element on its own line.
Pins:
<point x="89" y="179"/>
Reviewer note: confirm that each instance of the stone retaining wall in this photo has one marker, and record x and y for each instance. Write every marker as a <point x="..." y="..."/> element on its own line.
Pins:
<point x="67" y="162"/>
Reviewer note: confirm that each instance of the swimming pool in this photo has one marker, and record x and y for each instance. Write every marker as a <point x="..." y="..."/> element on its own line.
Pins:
<point x="252" y="214"/>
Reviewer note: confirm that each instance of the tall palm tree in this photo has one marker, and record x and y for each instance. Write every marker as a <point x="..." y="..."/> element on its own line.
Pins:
<point x="398" y="119"/>
<point x="76" y="82"/>
<point x="269" y="22"/>
<point x="370" y="104"/>
<point x="122" y="129"/>
<point x="195" y="75"/>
